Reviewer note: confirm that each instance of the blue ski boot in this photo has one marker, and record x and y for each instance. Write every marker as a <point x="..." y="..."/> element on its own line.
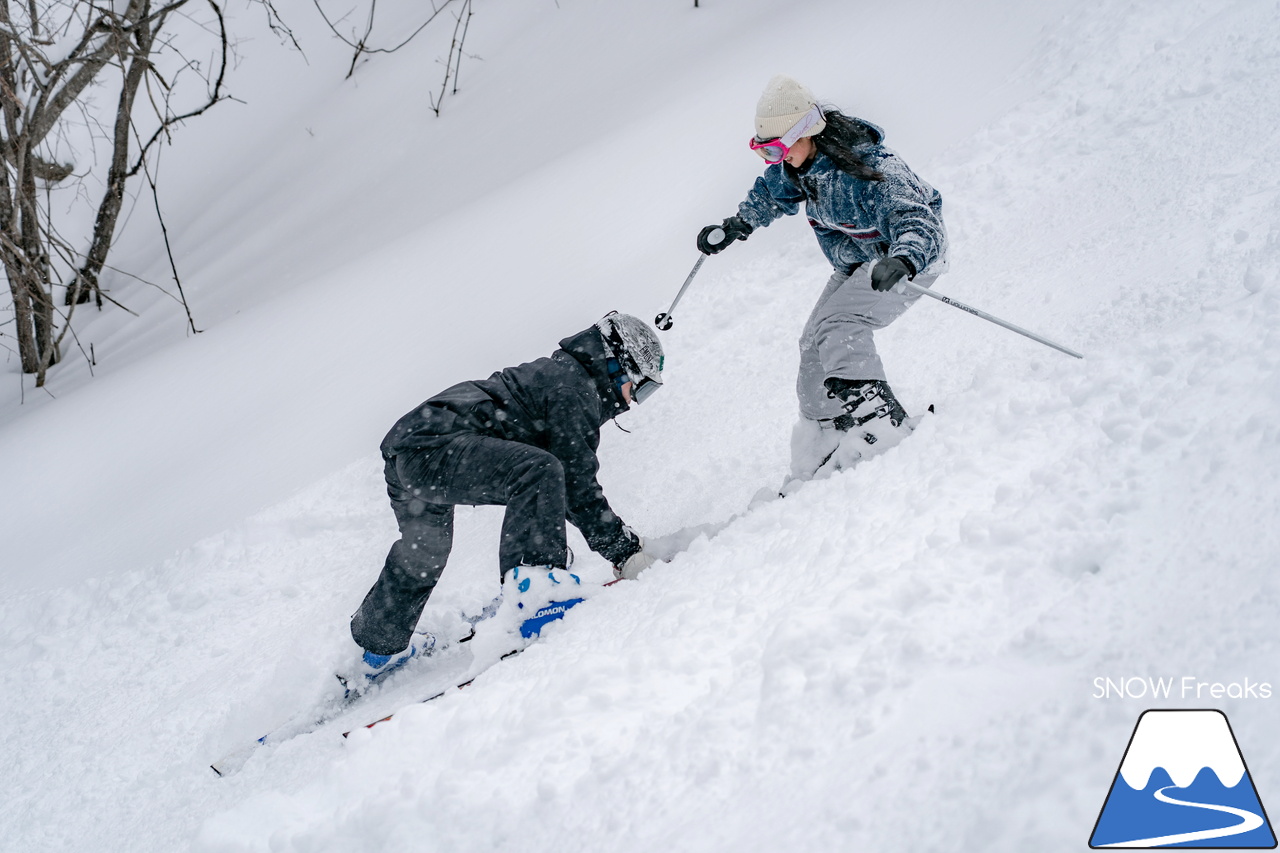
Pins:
<point x="375" y="667"/>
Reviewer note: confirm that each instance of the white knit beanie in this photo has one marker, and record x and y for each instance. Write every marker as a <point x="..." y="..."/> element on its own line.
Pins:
<point x="784" y="103"/>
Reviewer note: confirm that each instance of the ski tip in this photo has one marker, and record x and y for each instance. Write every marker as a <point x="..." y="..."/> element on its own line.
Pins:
<point x="222" y="768"/>
<point x="233" y="762"/>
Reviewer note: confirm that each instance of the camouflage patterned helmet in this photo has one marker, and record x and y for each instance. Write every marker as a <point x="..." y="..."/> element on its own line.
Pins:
<point x="637" y="348"/>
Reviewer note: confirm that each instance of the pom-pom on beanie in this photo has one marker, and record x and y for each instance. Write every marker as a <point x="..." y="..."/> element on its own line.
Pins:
<point x="784" y="103"/>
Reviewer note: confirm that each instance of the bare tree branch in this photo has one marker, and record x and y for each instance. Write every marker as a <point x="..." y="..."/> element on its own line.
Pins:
<point x="110" y="38"/>
<point x="451" y="64"/>
<point x="361" y="46"/>
<point x="277" y="25"/>
<point x="173" y="265"/>
<point x="214" y="97"/>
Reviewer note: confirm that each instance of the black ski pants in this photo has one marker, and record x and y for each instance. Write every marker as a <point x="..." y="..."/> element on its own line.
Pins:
<point x="424" y="486"/>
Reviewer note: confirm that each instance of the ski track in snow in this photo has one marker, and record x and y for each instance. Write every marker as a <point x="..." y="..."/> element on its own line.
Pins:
<point x="922" y="630"/>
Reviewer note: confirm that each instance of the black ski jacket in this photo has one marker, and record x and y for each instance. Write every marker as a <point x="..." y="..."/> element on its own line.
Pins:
<point x="557" y="404"/>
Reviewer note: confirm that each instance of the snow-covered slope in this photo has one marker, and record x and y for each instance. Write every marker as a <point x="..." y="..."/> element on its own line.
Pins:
<point x="898" y="658"/>
<point x="352" y="252"/>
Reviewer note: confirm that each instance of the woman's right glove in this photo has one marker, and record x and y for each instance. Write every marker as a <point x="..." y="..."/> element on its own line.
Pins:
<point x="634" y="565"/>
<point x="887" y="272"/>
<point x="715" y="238"/>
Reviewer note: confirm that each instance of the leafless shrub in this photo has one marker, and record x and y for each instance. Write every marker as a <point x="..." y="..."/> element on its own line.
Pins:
<point x="58" y="58"/>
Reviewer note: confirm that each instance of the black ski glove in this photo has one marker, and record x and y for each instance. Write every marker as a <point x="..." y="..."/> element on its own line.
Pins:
<point x="887" y="273"/>
<point x="734" y="228"/>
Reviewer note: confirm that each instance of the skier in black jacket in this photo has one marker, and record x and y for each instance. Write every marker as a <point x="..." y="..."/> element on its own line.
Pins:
<point x="526" y="438"/>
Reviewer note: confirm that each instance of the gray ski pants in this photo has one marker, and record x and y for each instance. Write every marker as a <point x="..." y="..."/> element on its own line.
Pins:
<point x="837" y="340"/>
<point x="424" y="486"/>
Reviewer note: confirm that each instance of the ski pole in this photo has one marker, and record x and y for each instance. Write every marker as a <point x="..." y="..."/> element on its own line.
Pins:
<point x="664" y="320"/>
<point x="984" y="315"/>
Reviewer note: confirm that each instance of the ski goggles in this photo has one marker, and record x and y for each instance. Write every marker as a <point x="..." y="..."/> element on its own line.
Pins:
<point x="643" y="390"/>
<point x="776" y="150"/>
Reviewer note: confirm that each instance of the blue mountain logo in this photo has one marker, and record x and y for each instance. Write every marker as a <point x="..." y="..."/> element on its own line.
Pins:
<point x="1183" y="783"/>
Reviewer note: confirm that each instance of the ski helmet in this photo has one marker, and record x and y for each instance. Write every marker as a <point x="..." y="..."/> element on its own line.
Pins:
<point x="637" y="349"/>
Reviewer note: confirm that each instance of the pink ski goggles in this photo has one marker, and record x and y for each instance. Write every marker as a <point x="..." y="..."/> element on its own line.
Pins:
<point x="776" y="150"/>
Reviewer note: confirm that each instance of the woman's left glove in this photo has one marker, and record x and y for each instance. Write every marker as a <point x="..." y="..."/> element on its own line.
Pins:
<point x="888" y="272"/>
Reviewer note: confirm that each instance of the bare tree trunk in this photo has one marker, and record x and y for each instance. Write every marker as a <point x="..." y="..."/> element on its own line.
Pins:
<point x="36" y="266"/>
<point x="104" y="225"/>
<point x="28" y="351"/>
<point x="17" y="268"/>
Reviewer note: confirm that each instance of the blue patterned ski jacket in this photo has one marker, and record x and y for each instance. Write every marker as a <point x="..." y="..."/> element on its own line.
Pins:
<point x="856" y="220"/>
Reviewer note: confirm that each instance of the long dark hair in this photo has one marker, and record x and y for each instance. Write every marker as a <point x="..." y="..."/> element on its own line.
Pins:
<point x="840" y="140"/>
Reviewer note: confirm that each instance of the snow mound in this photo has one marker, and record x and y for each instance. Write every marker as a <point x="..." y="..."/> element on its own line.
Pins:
<point x="899" y="657"/>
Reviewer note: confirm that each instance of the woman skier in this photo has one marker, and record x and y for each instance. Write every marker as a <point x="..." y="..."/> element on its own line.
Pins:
<point x="877" y="222"/>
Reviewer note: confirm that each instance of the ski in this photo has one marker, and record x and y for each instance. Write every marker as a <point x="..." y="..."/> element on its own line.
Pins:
<point x="312" y="719"/>
<point x="436" y="696"/>
<point x="335" y="705"/>
<point x="529" y="629"/>
<point x="442" y="662"/>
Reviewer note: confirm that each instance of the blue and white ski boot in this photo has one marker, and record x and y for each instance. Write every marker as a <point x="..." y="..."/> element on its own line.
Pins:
<point x="538" y="595"/>
<point x="373" y="667"/>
